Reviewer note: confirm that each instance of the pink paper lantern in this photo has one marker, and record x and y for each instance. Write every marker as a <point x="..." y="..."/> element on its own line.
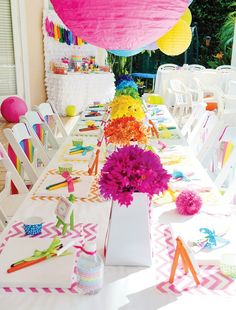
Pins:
<point x="120" y="24"/>
<point x="12" y="108"/>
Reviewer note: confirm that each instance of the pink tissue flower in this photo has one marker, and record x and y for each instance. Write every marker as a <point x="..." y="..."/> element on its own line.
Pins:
<point x="131" y="169"/>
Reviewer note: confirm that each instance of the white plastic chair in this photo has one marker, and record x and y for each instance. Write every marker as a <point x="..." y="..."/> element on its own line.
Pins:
<point x="167" y="67"/>
<point x="161" y="83"/>
<point x="9" y="203"/>
<point x="46" y="111"/>
<point x="48" y="141"/>
<point x="225" y="68"/>
<point x="207" y="83"/>
<point x="183" y="99"/>
<point x="15" y="137"/>
<point x="196" y="67"/>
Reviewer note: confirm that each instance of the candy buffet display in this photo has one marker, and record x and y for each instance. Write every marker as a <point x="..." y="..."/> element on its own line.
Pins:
<point x="78" y="64"/>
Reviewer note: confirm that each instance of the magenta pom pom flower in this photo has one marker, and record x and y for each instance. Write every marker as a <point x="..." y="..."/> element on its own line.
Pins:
<point x="188" y="202"/>
<point x="131" y="169"/>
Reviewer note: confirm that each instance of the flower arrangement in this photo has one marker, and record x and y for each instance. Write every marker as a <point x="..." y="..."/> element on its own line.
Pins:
<point x="124" y="130"/>
<point x="125" y="84"/>
<point x="131" y="169"/>
<point x="128" y="91"/>
<point x="124" y="77"/>
<point x="126" y="106"/>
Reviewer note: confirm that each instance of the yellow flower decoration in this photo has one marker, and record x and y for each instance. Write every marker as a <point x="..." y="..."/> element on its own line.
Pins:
<point x="219" y="56"/>
<point x="126" y="106"/>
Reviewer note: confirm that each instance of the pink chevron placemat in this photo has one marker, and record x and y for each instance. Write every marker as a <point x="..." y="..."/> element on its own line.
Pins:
<point x="88" y="231"/>
<point x="211" y="279"/>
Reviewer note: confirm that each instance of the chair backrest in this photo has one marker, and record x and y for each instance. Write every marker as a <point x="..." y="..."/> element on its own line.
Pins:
<point x="209" y="81"/>
<point x="196" y="67"/>
<point x="167" y="67"/>
<point x="192" y="121"/>
<point x="177" y="86"/>
<point x="24" y="148"/>
<point x="227" y="157"/>
<point x="223" y="120"/>
<point x="225" y="68"/>
<point x="47" y="110"/>
<point x="202" y="130"/>
<point x="180" y="91"/>
<point x="41" y="132"/>
<point x="10" y="168"/>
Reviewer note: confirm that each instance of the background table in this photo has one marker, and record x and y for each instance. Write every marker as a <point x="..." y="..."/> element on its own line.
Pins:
<point x="208" y="78"/>
<point x="79" y="89"/>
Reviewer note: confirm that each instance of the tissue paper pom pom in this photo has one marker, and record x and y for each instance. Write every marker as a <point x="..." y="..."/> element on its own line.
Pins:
<point x="125" y="83"/>
<point x="124" y="77"/>
<point x="188" y="202"/>
<point x="128" y="91"/>
<point x="131" y="169"/>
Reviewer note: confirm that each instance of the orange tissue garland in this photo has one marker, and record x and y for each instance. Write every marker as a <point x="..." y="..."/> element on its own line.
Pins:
<point x="125" y="130"/>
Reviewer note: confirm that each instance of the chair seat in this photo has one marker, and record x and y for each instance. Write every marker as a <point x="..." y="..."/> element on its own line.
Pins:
<point x="11" y="203"/>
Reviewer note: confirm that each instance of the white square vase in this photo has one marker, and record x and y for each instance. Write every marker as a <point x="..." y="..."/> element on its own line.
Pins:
<point x="128" y="241"/>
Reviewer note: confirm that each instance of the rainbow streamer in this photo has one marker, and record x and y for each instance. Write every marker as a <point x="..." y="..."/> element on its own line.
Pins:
<point x="40" y="132"/>
<point x="61" y="34"/>
<point x="28" y="148"/>
<point x="15" y="160"/>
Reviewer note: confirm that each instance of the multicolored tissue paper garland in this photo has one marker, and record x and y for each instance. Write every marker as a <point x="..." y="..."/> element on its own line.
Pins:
<point x="61" y="34"/>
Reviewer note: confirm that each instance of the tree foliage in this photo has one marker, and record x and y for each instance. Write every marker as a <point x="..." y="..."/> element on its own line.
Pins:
<point x="211" y="16"/>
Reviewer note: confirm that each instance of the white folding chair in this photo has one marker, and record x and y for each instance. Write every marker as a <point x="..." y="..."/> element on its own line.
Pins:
<point x="17" y="137"/>
<point x="197" y="112"/>
<point x="41" y="132"/>
<point x="227" y="169"/>
<point x="9" y="203"/>
<point x="197" y="138"/>
<point x="205" y="124"/>
<point x="224" y="120"/>
<point x="160" y="84"/>
<point x="47" y="111"/>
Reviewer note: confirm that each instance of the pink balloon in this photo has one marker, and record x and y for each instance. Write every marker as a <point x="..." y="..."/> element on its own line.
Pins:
<point x="120" y="24"/>
<point x="12" y="108"/>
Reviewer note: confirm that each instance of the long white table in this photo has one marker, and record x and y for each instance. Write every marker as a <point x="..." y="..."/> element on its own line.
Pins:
<point x="130" y="288"/>
<point x="79" y="89"/>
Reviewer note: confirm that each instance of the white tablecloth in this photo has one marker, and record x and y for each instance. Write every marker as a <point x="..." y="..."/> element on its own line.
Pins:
<point x="79" y="89"/>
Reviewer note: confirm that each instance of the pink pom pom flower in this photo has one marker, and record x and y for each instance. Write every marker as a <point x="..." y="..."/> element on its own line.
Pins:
<point x="188" y="202"/>
<point x="131" y="169"/>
